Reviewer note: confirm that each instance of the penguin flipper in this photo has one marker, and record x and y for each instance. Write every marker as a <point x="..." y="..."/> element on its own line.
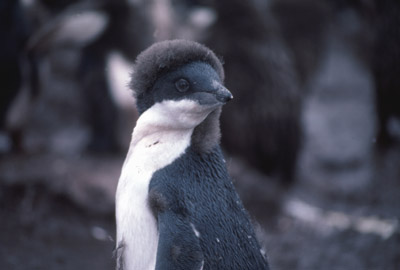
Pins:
<point x="179" y="245"/>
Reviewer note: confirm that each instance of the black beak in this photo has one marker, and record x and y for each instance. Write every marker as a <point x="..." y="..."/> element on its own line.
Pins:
<point x="217" y="94"/>
<point x="223" y="95"/>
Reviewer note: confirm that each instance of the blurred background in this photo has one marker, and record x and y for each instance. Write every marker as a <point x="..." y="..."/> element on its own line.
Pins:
<point x="312" y="138"/>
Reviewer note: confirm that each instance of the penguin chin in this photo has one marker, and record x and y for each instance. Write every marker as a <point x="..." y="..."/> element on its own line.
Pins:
<point x="191" y="113"/>
<point x="177" y="114"/>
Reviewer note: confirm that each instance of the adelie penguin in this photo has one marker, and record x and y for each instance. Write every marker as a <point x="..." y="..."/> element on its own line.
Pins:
<point x="176" y="206"/>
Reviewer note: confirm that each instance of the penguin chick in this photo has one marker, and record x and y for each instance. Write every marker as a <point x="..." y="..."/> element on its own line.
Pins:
<point x="176" y="206"/>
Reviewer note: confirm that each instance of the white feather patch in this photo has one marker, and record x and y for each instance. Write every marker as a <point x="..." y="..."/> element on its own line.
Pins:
<point x="118" y="69"/>
<point x="76" y="29"/>
<point x="196" y="232"/>
<point x="82" y="28"/>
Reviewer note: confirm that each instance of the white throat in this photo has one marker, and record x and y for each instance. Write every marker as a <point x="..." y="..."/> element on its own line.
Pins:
<point x="162" y="134"/>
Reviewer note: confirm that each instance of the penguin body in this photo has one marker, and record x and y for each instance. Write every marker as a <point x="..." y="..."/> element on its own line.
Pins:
<point x="176" y="207"/>
<point x="202" y="223"/>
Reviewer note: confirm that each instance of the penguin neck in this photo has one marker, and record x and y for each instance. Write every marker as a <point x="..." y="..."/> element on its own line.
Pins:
<point x="168" y="118"/>
<point x="156" y="143"/>
<point x="203" y="138"/>
<point x="161" y="126"/>
<point x="206" y="136"/>
<point x="155" y="134"/>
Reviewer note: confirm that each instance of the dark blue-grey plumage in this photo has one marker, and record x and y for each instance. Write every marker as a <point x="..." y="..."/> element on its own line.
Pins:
<point x="197" y="191"/>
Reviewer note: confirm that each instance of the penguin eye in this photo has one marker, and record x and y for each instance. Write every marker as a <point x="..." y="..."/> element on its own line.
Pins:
<point x="182" y="85"/>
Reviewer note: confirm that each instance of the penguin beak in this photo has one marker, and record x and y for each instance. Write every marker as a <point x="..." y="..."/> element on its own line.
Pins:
<point x="222" y="94"/>
<point x="214" y="95"/>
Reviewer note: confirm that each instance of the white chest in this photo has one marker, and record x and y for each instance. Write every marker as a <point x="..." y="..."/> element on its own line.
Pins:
<point x="136" y="225"/>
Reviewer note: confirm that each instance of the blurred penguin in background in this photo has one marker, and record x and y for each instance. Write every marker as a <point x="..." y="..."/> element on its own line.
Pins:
<point x="263" y="124"/>
<point x="303" y="24"/>
<point x="126" y="33"/>
<point x="386" y="69"/>
<point x="97" y="29"/>
<point x="16" y="69"/>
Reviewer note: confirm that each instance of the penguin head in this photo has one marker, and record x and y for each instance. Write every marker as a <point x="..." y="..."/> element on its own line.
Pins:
<point x="182" y="73"/>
